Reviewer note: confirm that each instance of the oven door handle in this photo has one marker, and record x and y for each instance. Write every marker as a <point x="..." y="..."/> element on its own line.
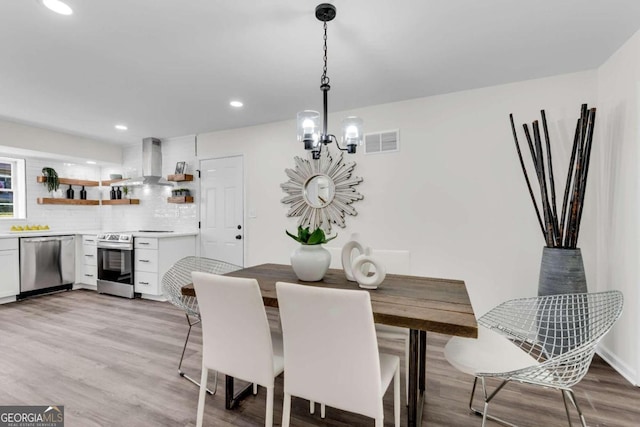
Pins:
<point x="107" y="245"/>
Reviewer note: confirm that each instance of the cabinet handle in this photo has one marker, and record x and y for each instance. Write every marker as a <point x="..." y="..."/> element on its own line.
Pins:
<point x="143" y="260"/>
<point x="89" y="275"/>
<point x="90" y="241"/>
<point x="144" y="243"/>
<point x="143" y="283"/>
<point x="91" y="256"/>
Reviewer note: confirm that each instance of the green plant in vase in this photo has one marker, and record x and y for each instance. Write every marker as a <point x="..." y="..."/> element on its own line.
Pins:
<point x="51" y="179"/>
<point x="306" y="237"/>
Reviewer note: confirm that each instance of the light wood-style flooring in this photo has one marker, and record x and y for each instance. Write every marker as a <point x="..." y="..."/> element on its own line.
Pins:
<point x="113" y="362"/>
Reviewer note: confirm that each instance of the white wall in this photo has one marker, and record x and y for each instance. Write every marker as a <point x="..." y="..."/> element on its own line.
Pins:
<point x="454" y="195"/>
<point x="612" y="201"/>
<point x="42" y="147"/>
<point x="16" y="136"/>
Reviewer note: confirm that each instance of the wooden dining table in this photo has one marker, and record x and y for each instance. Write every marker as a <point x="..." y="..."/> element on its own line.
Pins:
<point x="420" y="304"/>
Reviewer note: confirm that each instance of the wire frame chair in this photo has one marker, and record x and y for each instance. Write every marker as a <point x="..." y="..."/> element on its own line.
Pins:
<point x="560" y="332"/>
<point x="178" y="276"/>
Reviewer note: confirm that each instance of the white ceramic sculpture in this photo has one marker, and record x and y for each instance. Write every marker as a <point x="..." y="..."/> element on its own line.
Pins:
<point x="364" y="280"/>
<point x="350" y="251"/>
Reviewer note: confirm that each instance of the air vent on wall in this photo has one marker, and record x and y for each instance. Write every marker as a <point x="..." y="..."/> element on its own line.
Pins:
<point x="382" y="142"/>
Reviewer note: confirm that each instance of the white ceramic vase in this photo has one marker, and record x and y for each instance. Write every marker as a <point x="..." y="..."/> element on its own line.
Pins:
<point x="310" y="262"/>
<point x="350" y="251"/>
<point x="58" y="194"/>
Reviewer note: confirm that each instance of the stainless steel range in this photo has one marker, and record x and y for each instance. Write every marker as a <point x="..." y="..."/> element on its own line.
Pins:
<point x="115" y="264"/>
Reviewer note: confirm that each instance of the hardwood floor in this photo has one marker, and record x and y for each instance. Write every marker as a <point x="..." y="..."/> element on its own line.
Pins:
<point x="113" y="362"/>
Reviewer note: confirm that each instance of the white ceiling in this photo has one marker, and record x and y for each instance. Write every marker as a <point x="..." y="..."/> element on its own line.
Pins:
<point x="169" y="68"/>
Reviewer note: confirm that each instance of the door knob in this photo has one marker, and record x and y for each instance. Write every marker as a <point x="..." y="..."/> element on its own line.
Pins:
<point x="239" y="237"/>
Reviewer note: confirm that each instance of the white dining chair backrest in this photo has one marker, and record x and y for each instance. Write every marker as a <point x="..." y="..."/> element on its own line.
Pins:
<point x="236" y="338"/>
<point x="330" y="348"/>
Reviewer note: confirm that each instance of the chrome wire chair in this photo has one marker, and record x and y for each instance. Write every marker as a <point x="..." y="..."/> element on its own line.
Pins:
<point x="172" y="282"/>
<point x="555" y="339"/>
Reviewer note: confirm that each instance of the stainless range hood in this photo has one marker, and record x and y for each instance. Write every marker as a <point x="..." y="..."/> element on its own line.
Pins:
<point x="151" y="166"/>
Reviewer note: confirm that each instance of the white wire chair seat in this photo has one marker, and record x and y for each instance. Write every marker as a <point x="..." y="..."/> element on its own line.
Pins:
<point x="559" y="331"/>
<point x="178" y="276"/>
<point x="557" y="335"/>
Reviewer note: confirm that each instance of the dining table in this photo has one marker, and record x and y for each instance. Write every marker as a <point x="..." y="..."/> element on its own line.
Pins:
<point x="420" y="304"/>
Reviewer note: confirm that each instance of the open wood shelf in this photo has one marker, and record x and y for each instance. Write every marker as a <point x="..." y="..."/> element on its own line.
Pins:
<point x="180" y="199"/>
<point x="121" y="202"/>
<point x="50" y="201"/>
<point x="180" y="177"/>
<point x="70" y="181"/>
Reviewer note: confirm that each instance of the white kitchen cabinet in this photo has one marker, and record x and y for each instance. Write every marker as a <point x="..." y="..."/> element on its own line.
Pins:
<point x="153" y="257"/>
<point x="87" y="261"/>
<point x="10" y="268"/>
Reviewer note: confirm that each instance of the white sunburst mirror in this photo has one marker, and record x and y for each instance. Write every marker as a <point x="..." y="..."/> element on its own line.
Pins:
<point x="321" y="191"/>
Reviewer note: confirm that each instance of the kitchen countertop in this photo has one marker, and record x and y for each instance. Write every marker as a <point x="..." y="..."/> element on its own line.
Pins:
<point x="46" y="233"/>
<point x="161" y="235"/>
<point x="43" y="233"/>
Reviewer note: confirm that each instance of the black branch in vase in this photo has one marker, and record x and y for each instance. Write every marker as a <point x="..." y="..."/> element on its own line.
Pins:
<point x="559" y="229"/>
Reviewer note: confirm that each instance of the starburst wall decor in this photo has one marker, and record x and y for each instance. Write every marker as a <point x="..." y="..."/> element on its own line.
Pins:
<point x="321" y="191"/>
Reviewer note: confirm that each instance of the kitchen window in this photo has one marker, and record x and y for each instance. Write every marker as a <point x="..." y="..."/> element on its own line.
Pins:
<point x="12" y="188"/>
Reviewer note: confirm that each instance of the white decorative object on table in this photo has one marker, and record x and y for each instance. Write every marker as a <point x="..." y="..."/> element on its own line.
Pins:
<point x="348" y="256"/>
<point x="365" y="281"/>
<point x="310" y="262"/>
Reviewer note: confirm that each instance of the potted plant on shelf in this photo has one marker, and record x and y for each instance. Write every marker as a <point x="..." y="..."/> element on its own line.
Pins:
<point x="51" y="180"/>
<point x="310" y="261"/>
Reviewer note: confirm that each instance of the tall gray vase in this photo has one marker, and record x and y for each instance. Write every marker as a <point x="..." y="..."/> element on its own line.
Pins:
<point x="561" y="272"/>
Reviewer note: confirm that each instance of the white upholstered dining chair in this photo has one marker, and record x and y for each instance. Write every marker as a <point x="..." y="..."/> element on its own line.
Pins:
<point x="331" y="352"/>
<point x="547" y="341"/>
<point x="236" y="338"/>
<point x="178" y="276"/>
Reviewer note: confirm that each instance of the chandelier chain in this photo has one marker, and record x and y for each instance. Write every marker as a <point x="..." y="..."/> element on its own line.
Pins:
<point x="324" y="80"/>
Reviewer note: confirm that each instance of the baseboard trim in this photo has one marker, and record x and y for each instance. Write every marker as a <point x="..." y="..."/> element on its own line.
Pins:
<point x="617" y="364"/>
<point x="85" y="286"/>
<point x="6" y="300"/>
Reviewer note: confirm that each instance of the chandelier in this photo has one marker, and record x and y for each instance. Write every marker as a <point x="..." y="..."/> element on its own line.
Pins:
<point x="309" y="130"/>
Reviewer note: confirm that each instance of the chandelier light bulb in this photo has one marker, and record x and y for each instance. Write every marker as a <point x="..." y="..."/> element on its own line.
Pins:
<point x="352" y="133"/>
<point x="309" y="128"/>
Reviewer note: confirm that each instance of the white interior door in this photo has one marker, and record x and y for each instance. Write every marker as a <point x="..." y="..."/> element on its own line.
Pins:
<point x="221" y="209"/>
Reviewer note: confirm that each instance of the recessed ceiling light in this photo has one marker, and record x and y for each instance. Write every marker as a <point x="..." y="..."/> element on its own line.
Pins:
<point x="57" y="6"/>
<point x="236" y="104"/>
<point x="121" y="127"/>
<point x="91" y="162"/>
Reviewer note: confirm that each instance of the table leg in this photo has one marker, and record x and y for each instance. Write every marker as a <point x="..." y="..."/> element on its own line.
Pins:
<point x="417" y="368"/>
<point x="232" y="400"/>
<point x="423" y="360"/>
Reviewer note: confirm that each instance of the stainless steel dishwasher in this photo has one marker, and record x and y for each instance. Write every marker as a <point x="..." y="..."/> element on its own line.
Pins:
<point x="46" y="264"/>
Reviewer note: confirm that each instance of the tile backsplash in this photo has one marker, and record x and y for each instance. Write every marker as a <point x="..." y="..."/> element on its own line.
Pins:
<point x="153" y="212"/>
